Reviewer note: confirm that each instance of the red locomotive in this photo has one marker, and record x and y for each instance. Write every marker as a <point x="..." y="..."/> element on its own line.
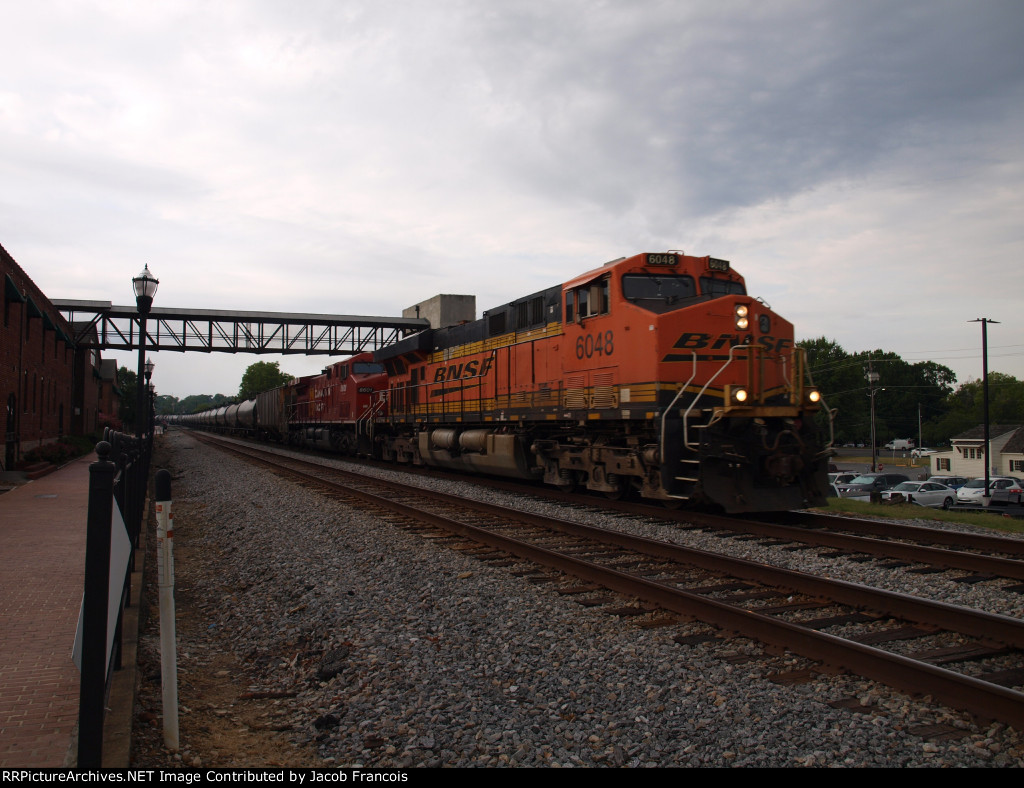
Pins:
<point x="334" y="410"/>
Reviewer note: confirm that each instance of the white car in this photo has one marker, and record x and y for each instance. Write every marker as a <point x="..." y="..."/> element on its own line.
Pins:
<point x="974" y="491"/>
<point x="922" y="452"/>
<point x="923" y="494"/>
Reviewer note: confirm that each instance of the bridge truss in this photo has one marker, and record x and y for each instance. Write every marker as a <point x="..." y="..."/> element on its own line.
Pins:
<point x="102" y="325"/>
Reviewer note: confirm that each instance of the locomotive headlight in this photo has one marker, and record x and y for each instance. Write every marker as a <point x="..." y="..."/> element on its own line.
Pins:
<point x="740" y="395"/>
<point x="742" y="316"/>
<point x="814" y="396"/>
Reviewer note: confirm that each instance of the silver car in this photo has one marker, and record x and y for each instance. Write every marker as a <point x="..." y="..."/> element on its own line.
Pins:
<point x="974" y="491"/>
<point x="931" y="494"/>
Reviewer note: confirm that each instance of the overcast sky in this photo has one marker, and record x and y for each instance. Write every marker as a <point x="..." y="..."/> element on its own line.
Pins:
<point x="860" y="163"/>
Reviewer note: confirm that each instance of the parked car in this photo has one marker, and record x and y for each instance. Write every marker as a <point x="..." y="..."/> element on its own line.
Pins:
<point x="974" y="491"/>
<point x="923" y="494"/>
<point x="956" y="482"/>
<point x="842" y="477"/>
<point x="868" y="483"/>
<point x="1005" y="496"/>
<point x="922" y="452"/>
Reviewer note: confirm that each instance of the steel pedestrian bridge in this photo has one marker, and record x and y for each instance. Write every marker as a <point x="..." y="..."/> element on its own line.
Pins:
<point x="100" y="324"/>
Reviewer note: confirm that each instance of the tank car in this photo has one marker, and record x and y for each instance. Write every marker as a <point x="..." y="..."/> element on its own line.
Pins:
<point x="655" y="373"/>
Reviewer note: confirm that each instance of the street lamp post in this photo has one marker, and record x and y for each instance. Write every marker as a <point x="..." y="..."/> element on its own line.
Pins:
<point x="145" y="285"/>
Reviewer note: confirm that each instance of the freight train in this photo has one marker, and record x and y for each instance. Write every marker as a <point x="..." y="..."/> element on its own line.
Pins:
<point x="655" y="375"/>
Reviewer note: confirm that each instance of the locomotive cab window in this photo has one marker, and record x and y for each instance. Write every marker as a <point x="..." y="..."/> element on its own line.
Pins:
<point x="588" y="300"/>
<point x="711" y="286"/>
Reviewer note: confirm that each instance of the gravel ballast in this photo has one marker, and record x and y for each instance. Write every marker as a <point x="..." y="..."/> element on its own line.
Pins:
<point x="386" y="649"/>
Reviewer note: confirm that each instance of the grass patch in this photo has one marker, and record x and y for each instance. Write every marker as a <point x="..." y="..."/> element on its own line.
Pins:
<point x="993" y="520"/>
<point x="922" y="464"/>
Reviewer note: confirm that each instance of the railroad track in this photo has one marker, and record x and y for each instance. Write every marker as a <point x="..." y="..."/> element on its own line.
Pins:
<point x="906" y="642"/>
<point x="984" y="556"/>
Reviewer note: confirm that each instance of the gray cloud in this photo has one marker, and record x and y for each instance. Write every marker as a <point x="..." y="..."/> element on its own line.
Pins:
<point x="385" y="151"/>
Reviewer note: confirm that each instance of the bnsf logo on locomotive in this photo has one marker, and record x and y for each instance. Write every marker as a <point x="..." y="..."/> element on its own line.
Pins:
<point x="696" y="341"/>
<point x="471" y="369"/>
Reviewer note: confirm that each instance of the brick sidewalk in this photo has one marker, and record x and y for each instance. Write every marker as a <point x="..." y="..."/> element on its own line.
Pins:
<point x="42" y="567"/>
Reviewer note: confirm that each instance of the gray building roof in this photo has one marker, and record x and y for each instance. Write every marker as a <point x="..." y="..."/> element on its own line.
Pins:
<point x="994" y="431"/>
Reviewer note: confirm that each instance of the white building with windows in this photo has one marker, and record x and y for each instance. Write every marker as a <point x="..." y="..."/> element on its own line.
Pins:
<point x="966" y="457"/>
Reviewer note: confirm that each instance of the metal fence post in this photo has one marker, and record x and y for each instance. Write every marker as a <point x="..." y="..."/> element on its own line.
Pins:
<point x="93" y="683"/>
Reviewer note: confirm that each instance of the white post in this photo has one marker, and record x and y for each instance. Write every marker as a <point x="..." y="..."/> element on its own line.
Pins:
<point x="165" y="583"/>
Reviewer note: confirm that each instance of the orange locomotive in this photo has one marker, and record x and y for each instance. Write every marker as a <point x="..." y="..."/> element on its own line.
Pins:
<point x="655" y="373"/>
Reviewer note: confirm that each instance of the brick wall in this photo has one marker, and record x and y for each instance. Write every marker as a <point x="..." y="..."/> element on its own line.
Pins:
<point x="36" y="365"/>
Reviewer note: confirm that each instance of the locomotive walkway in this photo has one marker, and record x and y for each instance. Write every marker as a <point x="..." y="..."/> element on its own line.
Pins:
<point x="42" y="571"/>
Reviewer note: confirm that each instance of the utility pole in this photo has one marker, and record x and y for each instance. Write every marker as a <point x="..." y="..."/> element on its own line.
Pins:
<point x="984" y="387"/>
<point x="872" y="378"/>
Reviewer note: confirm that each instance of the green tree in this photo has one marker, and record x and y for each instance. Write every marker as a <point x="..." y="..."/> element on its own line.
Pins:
<point x="166" y="404"/>
<point x="194" y="403"/>
<point x="261" y="376"/>
<point x="906" y="395"/>
<point x="965" y="407"/>
<point x="839" y="377"/>
<point x="127" y="382"/>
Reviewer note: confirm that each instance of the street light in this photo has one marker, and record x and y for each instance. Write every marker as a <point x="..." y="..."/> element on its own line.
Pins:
<point x="145" y="285"/>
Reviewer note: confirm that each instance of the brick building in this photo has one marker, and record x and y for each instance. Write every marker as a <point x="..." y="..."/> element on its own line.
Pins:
<point x="39" y="372"/>
<point x="109" y="395"/>
<point x="87" y="386"/>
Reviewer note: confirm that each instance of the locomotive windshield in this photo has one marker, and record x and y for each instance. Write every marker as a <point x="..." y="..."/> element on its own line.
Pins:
<point x="710" y="286"/>
<point x="658" y="292"/>
<point x="367" y="368"/>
